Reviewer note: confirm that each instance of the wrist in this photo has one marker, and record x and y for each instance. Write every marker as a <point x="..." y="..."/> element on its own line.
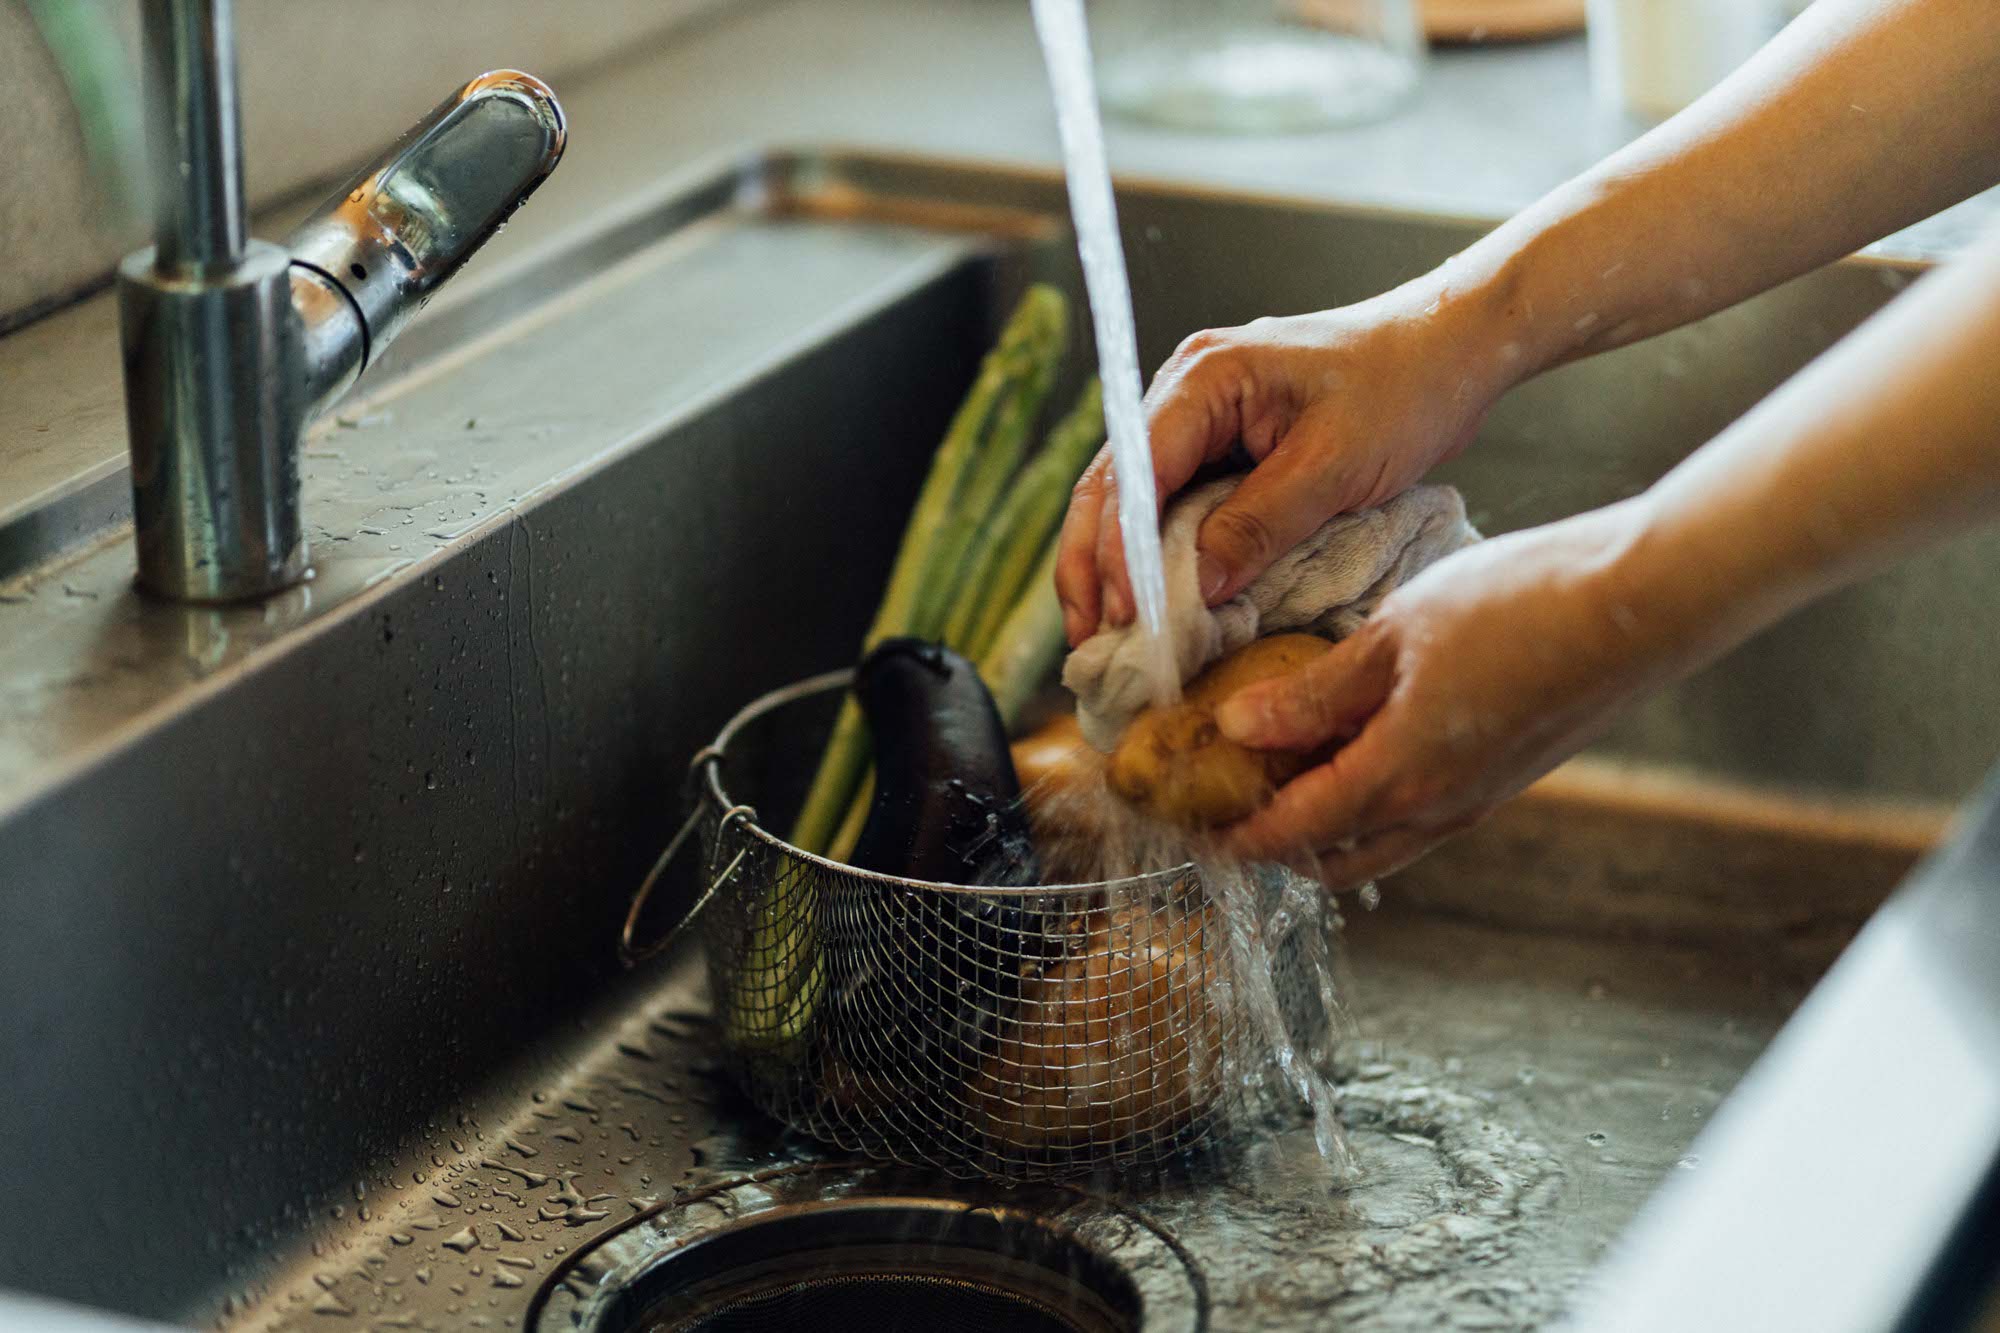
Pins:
<point x="1567" y="278"/>
<point x="1684" y="583"/>
<point x="1465" y="313"/>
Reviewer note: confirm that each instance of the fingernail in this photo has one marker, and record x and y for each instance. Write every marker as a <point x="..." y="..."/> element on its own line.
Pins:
<point x="1212" y="575"/>
<point x="1117" y="607"/>
<point x="1241" y="718"/>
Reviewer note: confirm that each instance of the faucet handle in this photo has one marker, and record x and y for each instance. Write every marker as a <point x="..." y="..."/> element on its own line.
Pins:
<point x="373" y="253"/>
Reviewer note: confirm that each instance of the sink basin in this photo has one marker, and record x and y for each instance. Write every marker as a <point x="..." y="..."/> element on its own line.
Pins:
<point x="308" y="932"/>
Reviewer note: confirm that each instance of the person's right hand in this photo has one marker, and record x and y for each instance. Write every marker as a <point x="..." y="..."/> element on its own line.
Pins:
<point x="1340" y="410"/>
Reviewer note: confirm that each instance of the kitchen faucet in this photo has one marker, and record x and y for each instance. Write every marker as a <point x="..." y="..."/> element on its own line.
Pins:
<point x="232" y="346"/>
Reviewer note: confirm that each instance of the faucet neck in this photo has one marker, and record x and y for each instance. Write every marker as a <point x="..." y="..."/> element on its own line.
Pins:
<point x="197" y="139"/>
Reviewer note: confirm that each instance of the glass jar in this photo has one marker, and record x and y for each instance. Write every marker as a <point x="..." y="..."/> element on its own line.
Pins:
<point x="1255" y="66"/>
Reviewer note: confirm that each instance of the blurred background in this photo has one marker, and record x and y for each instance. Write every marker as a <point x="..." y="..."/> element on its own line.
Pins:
<point x="1467" y="106"/>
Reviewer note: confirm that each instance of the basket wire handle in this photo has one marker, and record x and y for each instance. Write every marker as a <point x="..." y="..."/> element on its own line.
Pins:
<point x="631" y="954"/>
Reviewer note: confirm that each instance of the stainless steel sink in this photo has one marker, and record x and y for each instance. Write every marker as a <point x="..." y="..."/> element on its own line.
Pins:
<point x="309" y="911"/>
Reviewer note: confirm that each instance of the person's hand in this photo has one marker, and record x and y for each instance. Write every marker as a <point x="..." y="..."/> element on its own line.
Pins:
<point x="1340" y="410"/>
<point x="1467" y="684"/>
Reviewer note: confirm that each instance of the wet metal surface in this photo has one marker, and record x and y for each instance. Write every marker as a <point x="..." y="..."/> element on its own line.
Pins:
<point x="1512" y="1100"/>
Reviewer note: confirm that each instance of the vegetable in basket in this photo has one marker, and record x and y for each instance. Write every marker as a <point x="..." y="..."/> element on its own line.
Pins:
<point x="918" y="972"/>
<point x="952" y="508"/>
<point x="947" y="803"/>
<point x="975" y="569"/>
<point x="1120" y="1041"/>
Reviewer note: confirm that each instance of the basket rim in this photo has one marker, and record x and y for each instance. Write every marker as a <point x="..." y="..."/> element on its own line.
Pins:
<point x="710" y="759"/>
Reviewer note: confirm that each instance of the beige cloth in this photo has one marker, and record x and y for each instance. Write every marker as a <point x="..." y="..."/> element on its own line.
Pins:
<point x="1326" y="585"/>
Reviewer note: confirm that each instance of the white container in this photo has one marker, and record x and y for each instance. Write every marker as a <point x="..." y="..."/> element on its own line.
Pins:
<point x="1650" y="58"/>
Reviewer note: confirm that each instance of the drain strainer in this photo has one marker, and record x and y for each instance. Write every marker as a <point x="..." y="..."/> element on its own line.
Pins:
<point x="830" y="1248"/>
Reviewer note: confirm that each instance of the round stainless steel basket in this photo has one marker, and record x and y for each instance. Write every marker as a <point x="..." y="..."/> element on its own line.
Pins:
<point x="1019" y="1033"/>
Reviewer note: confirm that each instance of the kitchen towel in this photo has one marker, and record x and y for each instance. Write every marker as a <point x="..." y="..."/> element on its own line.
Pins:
<point x="1326" y="585"/>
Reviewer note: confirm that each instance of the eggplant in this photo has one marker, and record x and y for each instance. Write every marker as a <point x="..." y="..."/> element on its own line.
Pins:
<point x="947" y="805"/>
<point x="925" y="972"/>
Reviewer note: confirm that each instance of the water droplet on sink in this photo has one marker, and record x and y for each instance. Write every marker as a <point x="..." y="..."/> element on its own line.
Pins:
<point x="462" y="1241"/>
<point x="1596" y="1140"/>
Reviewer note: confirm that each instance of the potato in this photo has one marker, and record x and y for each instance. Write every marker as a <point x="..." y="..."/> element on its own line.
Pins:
<point x="1062" y="785"/>
<point x="1120" y="1041"/>
<point x="1052" y="760"/>
<point x="1175" y="765"/>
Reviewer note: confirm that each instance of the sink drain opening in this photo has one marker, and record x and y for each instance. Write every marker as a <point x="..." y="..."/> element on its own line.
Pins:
<point x="883" y="1267"/>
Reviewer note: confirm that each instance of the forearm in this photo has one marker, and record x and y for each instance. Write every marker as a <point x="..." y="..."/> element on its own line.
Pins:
<point x="1888" y="443"/>
<point x="1862" y="117"/>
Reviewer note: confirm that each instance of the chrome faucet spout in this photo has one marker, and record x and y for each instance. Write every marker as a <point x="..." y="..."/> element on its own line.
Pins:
<point x="395" y="233"/>
<point x="231" y="346"/>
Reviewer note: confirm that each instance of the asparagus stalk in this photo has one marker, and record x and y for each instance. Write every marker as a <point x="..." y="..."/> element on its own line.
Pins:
<point x="1029" y="642"/>
<point x="783" y="979"/>
<point x="975" y="520"/>
<point x="1032" y="514"/>
<point x="1004" y="557"/>
<point x="932" y="542"/>
<point x="845" y="841"/>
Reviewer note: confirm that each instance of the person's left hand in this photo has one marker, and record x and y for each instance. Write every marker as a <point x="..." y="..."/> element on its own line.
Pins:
<point x="1466" y="685"/>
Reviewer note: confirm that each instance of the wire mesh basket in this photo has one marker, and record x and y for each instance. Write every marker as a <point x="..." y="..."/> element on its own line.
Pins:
<point x="1021" y="1033"/>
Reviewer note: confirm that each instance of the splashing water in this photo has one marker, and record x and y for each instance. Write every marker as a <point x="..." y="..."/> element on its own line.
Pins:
<point x="1066" y="50"/>
<point x="1256" y="934"/>
<point x="1272" y="996"/>
<point x="1255" y="927"/>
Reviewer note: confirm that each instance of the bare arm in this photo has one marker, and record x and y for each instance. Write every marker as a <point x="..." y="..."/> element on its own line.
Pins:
<point x="1501" y="661"/>
<point x="1860" y="118"/>
<point x="1863" y="116"/>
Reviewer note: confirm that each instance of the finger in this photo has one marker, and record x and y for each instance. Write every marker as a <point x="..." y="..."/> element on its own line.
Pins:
<point x="1373" y="857"/>
<point x="1322" y="807"/>
<point x="1111" y="574"/>
<point x="1192" y="420"/>
<point x="1194" y="410"/>
<point x="1329" y="699"/>
<point x="1279" y="504"/>
<point x="1076" y="556"/>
